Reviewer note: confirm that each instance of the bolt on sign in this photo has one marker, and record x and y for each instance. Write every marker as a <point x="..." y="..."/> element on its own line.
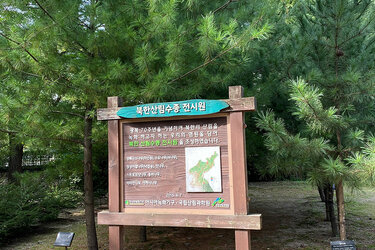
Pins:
<point x="179" y="164"/>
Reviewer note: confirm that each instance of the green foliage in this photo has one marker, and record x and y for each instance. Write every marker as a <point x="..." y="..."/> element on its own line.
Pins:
<point x="75" y="54"/>
<point x="293" y="155"/>
<point x="33" y="200"/>
<point x="3" y="149"/>
<point x="334" y="169"/>
<point x="327" y="43"/>
<point x="310" y="108"/>
<point x="60" y="60"/>
<point x="316" y="154"/>
<point x="63" y="58"/>
<point x="363" y="163"/>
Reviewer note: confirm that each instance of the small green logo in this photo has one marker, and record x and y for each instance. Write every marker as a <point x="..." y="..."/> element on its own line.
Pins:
<point x="218" y="201"/>
<point x="126" y="202"/>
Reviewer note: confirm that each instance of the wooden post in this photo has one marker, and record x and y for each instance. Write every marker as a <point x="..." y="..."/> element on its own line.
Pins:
<point x="341" y="209"/>
<point x="116" y="236"/>
<point x="239" y="166"/>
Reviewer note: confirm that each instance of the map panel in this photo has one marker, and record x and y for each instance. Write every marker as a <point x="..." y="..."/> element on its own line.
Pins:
<point x="203" y="169"/>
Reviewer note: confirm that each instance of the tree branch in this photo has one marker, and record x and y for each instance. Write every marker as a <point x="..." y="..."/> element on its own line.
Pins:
<point x="202" y="65"/>
<point x="45" y="11"/>
<point x="289" y="67"/>
<point x="280" y="135"/>
<point x="223" y="6"/>
<point x="308" y="104"/>
<point x="364" y="10"/>
<point x="19" y="44"/>
<point x="68" y="113"/>
<point x="30" y="74"/>
<point x="21" y="71"/>
<point x="43" y="138"/>
<point x="7" y="131"/>
<point x="45" y="77"/>
<point x="359" y="32"/>
<point x="214" y="12"/>
<point x="36" y="60"/>
<point x="58" y="139"/>
<point x="54" y="20"/>
<point x="211" y="60"/>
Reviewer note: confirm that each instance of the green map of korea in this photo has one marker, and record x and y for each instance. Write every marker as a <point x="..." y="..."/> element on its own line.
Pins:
<point x="200" y="169"/>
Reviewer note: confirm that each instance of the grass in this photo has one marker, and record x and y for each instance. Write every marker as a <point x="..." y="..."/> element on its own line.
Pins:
<point x="293" y="218"/>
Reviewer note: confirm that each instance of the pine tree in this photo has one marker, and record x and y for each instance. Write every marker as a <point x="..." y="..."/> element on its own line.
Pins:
<point x="16" y="106"/>
<point x="80" y="52"/>
<point x="332" y="49"/>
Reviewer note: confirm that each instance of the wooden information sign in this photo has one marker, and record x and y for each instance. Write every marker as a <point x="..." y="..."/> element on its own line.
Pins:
<point x="178" y="164"/>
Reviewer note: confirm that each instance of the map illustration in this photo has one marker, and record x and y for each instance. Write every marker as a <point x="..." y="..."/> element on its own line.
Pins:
<point x="203" y="169"/>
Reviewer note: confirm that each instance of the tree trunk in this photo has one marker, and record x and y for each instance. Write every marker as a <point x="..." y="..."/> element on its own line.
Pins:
<point x="326" y="202"/>
<point x="341" y="209"/>
<point x="321" y="194"/>
<point x="340" y="195"/>
<point x="142" y="234"/>
<point x="331" y="210"/>
<point x="92" y="242"/>
<point x="15" y="157"/>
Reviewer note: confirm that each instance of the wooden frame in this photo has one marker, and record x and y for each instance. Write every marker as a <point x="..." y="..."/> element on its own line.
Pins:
<point x="245" y="222"/>
<point x="179" y="211"/>
<point x="236" y="217"/>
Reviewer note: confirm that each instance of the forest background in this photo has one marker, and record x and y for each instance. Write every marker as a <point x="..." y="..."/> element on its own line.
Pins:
<point x="309" y="63"/>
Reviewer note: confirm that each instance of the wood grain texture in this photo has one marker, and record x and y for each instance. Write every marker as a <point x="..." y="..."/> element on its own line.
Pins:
<point x="116" y="237"/>
<point x="113" y="160"/>
<point x="236" y="92"/>
<point x="239" y="168"/>
<point x="240" y="185"/>
<point x="115" y="233"/>
<point x="243" y="240"/>
<point x="104" y="114"/>
<point x="243" y="222"/>
<point x="235" y="104"/>
<point x="241" y="104"/>
<point x="238" y="155"/>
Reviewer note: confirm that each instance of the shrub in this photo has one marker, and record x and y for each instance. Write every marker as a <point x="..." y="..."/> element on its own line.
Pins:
<point x="32" y="200"/>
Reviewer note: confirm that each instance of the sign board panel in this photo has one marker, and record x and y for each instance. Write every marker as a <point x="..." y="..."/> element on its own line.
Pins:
<point x="176" y="164"/>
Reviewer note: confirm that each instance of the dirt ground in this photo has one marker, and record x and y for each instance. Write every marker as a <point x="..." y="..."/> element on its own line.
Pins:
<point x="293" y="218"/>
